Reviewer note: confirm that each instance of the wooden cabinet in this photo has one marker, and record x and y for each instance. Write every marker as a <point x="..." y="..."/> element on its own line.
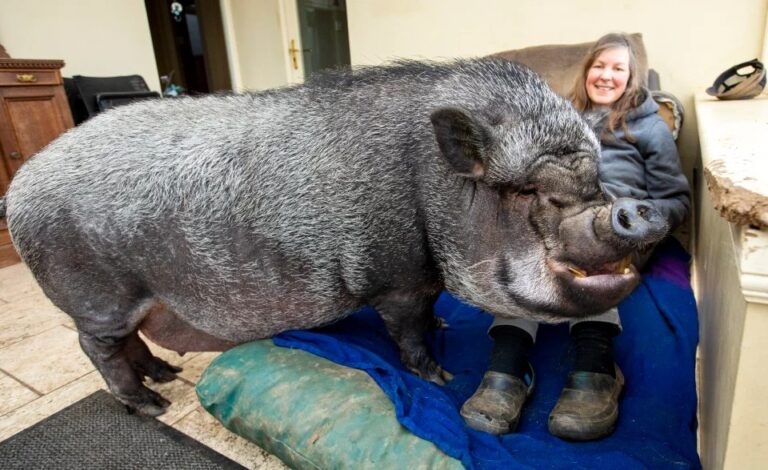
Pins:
<point x="33" y="112"/>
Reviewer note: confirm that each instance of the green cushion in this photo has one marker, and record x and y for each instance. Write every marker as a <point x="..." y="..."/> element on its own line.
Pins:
<point x="310" y="412"/>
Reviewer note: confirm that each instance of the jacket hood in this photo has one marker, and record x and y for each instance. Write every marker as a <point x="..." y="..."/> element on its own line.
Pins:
<point x="647" y="107"/>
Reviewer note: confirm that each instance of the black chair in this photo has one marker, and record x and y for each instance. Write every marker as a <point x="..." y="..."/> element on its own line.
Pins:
<point x="89" y="96"/>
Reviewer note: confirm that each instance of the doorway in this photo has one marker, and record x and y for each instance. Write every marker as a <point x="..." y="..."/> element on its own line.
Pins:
<point x="324" y="34"/>
<point x="190" y="49"/>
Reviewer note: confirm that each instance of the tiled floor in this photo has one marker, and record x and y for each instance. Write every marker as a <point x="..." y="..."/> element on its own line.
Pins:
<point x="43" y="370"/>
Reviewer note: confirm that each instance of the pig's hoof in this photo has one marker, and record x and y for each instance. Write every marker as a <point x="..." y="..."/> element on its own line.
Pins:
<point x="159" y="371"/>
<point x="146" y="402"/>
<point x="441" y="376"/>
<point x="165" y="374"/>
<point x="435" y="373"/>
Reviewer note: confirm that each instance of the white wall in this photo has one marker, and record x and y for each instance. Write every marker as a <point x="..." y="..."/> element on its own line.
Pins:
<point x="93" y="37"/>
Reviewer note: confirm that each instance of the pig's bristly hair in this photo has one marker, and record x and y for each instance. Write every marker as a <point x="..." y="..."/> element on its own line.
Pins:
<point x="302" y="200"/>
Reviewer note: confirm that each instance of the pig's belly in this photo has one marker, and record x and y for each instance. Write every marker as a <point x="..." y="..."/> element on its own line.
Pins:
<point x="165" y="328"/>
<point x="239" y="316"/>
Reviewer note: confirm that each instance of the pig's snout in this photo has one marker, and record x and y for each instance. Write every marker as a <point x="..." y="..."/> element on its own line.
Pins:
<point x="637" y="221"/>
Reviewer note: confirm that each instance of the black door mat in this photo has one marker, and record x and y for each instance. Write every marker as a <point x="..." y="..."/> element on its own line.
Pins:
<point x="98" y="433"/>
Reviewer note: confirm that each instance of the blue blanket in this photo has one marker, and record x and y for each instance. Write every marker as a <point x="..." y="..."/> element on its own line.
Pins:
<point x="656" y="352"/>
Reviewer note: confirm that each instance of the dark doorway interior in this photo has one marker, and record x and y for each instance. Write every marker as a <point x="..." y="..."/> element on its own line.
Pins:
<point x="190" y="50"/>
<point x="324" y="35"/>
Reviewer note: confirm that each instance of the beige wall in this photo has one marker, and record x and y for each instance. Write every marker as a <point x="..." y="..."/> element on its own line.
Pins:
<point x="93" y="37"/>
<point x="689" y="42"/>
<point x="111" y="37"/>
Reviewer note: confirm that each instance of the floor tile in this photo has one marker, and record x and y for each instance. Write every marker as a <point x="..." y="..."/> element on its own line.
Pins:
<point x="46" y="361"/>
<point x="17" y="281"/>
<point x="13" y="394"/>
<point x="39" y="409"/>
<point x="182" y="397"/>
<point x="28" y="316"/>
<point x="38" y="346"/>
<point x="194" y="368"/>
<point x="203" y="427"/>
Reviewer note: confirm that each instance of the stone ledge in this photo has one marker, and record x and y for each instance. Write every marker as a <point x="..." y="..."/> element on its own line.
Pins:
<point x="734" y="138"/>
<point x="735" y="203"/>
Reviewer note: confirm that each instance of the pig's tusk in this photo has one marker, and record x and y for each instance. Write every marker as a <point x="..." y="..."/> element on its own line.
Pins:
<point x="624" y="265"/>
<point x="577" y="272"/>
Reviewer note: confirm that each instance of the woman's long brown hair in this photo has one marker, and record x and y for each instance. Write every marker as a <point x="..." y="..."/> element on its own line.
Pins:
<point x="633" y="94"/>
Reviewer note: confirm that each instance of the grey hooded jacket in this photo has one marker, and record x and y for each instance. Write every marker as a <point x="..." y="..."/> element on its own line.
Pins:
<point x="648" y="169"/>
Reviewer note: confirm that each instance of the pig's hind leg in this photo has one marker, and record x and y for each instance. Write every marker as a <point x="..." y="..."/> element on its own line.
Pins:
<point x="408" y="317"/>
<point x="107" y="308"/>
<point x="123" y="359"/>
<point x="86" y="276"/>
<point x="146" y="364"/>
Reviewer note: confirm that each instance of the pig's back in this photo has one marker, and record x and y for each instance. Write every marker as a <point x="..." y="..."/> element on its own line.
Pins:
<point x="276" y="202"/>
<point x="216" y="205"/>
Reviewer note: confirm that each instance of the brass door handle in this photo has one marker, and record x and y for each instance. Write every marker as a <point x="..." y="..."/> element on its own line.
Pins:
<point x="15" y="155"/>
<point x="26" y="77"/>
<point x="294" y="56"/>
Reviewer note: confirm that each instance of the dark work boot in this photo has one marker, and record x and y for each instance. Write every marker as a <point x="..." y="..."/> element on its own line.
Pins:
<point x="496" y="404"/>
<point x="588" y="407"/>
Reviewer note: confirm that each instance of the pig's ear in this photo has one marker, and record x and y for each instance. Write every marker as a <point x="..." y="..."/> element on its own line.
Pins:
<point x="597" y="120"/>
<point x="463" y="140"/>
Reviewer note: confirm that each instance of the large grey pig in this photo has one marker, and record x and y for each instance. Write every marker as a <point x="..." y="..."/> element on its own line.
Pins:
<point x="213" y="221"/>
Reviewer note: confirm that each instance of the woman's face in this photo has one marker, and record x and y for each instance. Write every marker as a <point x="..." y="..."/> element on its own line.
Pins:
<point x="608" y="75"/>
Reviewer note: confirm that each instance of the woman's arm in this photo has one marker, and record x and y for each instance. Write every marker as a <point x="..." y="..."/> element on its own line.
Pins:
<point x="667" y="187"/>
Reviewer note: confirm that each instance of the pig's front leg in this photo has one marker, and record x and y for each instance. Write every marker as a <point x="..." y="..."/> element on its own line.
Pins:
<point x="408" y="316"/>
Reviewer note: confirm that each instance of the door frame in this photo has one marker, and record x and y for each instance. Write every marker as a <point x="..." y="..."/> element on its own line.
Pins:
<point x="287" y="36"/>
<point x="292" y="47"/>
<point x="211" y="18"/>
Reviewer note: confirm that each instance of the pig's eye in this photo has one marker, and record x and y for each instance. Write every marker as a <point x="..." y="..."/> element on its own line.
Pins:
<point x="529" y="190"/>
<point x="556" y="202"/>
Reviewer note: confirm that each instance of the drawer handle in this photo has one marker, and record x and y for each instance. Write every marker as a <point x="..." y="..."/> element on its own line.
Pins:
<point x="15" y="155"/>
<point x="26" y="77"/>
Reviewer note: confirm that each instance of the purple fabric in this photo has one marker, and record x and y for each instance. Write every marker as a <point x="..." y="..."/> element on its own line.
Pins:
<point x="670" y="263"/>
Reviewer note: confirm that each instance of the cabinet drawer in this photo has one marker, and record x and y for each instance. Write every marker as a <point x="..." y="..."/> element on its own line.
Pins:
<point x="28" y="77"/>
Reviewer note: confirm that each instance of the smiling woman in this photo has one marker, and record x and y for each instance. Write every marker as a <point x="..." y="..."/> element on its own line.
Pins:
<point x="610" y="79"/>
<point x="608" y="76"/>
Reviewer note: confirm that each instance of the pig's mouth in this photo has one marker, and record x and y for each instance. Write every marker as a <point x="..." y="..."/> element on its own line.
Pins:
<point x="605" y="283"/>
<point x="623" y="266"/>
